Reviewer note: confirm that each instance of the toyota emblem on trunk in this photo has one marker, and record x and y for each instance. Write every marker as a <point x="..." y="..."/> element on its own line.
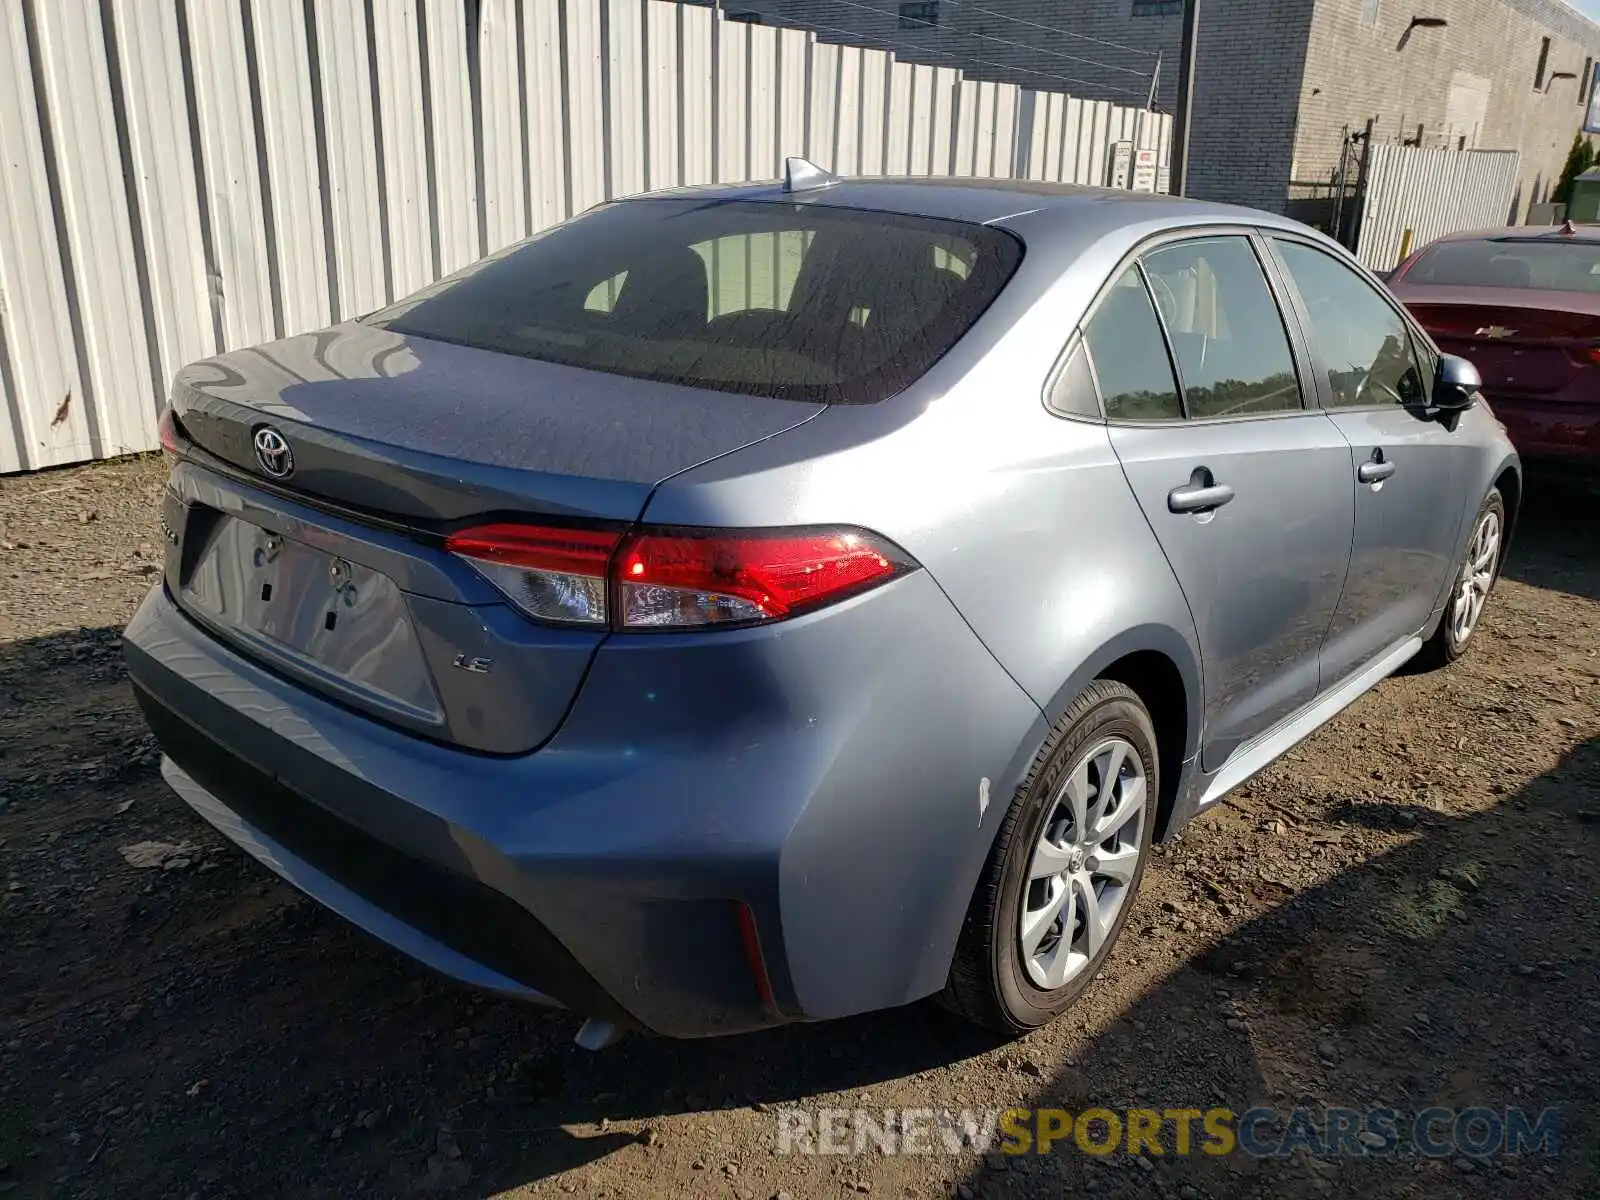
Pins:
<point x="273" y="453"/>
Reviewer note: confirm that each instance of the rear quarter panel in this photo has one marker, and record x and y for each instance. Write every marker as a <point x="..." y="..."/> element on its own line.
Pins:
<point x="1025" y="522"/>
<point x="1024" y="519"/>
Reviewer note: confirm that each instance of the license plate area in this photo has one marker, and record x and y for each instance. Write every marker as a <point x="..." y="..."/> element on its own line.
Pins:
<point x="340" y="626"/>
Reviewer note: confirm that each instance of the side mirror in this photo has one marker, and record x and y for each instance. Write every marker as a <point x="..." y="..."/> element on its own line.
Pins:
<point x="1456" y="384"/>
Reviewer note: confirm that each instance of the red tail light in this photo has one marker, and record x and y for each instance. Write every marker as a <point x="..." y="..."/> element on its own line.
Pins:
<point x="167" y="432"/>
<point x="679" y="578"/>
<point x="717" y="578"/>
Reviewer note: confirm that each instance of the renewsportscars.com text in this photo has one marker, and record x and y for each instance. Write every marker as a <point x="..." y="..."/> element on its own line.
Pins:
<point x="1477" y="1132"/>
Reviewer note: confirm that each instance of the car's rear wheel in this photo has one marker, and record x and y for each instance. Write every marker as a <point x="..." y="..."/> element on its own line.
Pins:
<point x="1065" y="868"/>
<point x="1469" y="592"/>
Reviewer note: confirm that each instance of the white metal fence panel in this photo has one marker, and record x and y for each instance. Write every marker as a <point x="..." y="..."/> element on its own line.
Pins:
<point x="450" y="147"/>
<point x="792" y="84"/>
<point x="94" y="216"/>
<point x="163" y="190"/>
<point x="1431" y="193"/>
<point x="38" y="356"/>
<point x="179" y="178"/>
<point x="761" y="145"/>
<point x="501" y="166"/>
<point x="663" y="109"/>
<point x="695" y="73"/>
<point x="870" y="113"/>
<point x="232" y="215"/>
<point x="407" y="209"/>
<point x="287" y="114"/>
<point x="625" y="82"/>
<point x="846" y="157"/>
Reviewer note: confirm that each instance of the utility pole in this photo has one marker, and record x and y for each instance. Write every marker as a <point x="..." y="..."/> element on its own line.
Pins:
<point x="1155" y="80"/>
<point x="1182" y="119"/>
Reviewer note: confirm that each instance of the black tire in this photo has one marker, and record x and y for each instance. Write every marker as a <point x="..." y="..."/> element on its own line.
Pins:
<point x="1443" y="647"/>
<point x="989" y="982"/>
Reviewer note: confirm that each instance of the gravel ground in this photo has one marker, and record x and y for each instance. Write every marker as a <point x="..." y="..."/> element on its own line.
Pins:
<point x="1401" y="914"/>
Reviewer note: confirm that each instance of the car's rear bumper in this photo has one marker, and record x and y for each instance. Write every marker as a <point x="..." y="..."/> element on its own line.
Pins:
<point x="1551" y="428"/>
<point x="275" y="807"/>
<point x="825" y="779"/>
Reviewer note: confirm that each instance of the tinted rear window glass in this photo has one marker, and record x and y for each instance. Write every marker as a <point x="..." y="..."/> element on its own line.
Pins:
<point x="1130" y="356"/>
<point x="802" y="302"/>
<point x="1562" y="266"/>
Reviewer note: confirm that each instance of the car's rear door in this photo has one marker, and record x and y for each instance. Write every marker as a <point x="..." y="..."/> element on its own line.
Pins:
<point x="1245" y="485"/>
<point x="1410" y="472"/>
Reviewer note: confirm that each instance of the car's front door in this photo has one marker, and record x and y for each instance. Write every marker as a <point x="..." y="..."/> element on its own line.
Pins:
<point x="1409" y="471"/>
<point x="1246" y="488"/>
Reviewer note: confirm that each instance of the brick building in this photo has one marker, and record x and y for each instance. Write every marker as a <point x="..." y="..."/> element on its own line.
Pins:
<point x="1280" y="83"/>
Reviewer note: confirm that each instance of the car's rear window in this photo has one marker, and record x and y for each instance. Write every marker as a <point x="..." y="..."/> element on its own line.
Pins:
<point x="1548" y="264"/>
<point x="803" y="302"/>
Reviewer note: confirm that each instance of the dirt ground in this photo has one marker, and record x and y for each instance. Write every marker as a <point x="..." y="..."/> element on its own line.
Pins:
<point x="1403" y="913"/>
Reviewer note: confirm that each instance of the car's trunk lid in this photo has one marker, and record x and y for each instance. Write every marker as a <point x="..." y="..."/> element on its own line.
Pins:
<point x="424" y="430"/>
<point x="333" y="571"/>
<point x="1521" y="343"/>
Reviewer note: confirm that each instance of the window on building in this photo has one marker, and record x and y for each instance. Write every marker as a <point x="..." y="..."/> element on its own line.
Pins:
<point x="919" y="14"/>
<point x="1369" y="12"/>
<point x="744" y="15"/>
<point x="1544" y="61"/>
<point x="1157" y="8"/>
<point x="1584" y="81"/>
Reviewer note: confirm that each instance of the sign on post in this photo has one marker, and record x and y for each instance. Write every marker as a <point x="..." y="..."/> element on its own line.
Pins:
<point x="1144" y="171"/>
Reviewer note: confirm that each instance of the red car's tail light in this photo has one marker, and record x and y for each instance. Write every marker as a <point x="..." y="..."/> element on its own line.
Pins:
<point x="726" y="577"/>
<point x="675" y="579"/>
<point x="551" y="574"/>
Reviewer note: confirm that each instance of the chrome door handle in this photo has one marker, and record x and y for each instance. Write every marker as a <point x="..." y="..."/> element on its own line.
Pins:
<point x="1376" y="470"/>
<point x="1200" y="494"/>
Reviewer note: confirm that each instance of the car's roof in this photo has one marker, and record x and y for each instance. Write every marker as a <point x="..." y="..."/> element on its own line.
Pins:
<point x="983" y="201"/>
<point x="1525" y="233"/>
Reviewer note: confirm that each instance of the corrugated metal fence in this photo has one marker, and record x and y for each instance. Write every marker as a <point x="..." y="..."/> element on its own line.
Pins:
<point x="1431" y="193"/>
<point x="183" y="176"/>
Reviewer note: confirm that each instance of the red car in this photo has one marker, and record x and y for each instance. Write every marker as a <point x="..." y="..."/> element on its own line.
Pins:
<point x="1523" y="305"/>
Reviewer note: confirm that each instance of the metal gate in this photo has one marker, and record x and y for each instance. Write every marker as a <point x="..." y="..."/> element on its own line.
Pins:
<point x="1430" y="193"/>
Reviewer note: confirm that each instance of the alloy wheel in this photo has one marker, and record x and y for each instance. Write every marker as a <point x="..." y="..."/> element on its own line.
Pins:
<point x="1476" y="578"/>
<point x="1084" y="863"/>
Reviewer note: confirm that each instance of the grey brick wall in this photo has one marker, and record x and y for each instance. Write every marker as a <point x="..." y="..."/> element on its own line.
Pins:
<point x="1278" y="80"/>
<point x="1251" y="58"/>
<point x="1354" y="72"/>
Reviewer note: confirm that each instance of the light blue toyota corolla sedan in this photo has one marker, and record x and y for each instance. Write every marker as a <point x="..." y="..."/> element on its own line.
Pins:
<point x="748" y="605"/>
